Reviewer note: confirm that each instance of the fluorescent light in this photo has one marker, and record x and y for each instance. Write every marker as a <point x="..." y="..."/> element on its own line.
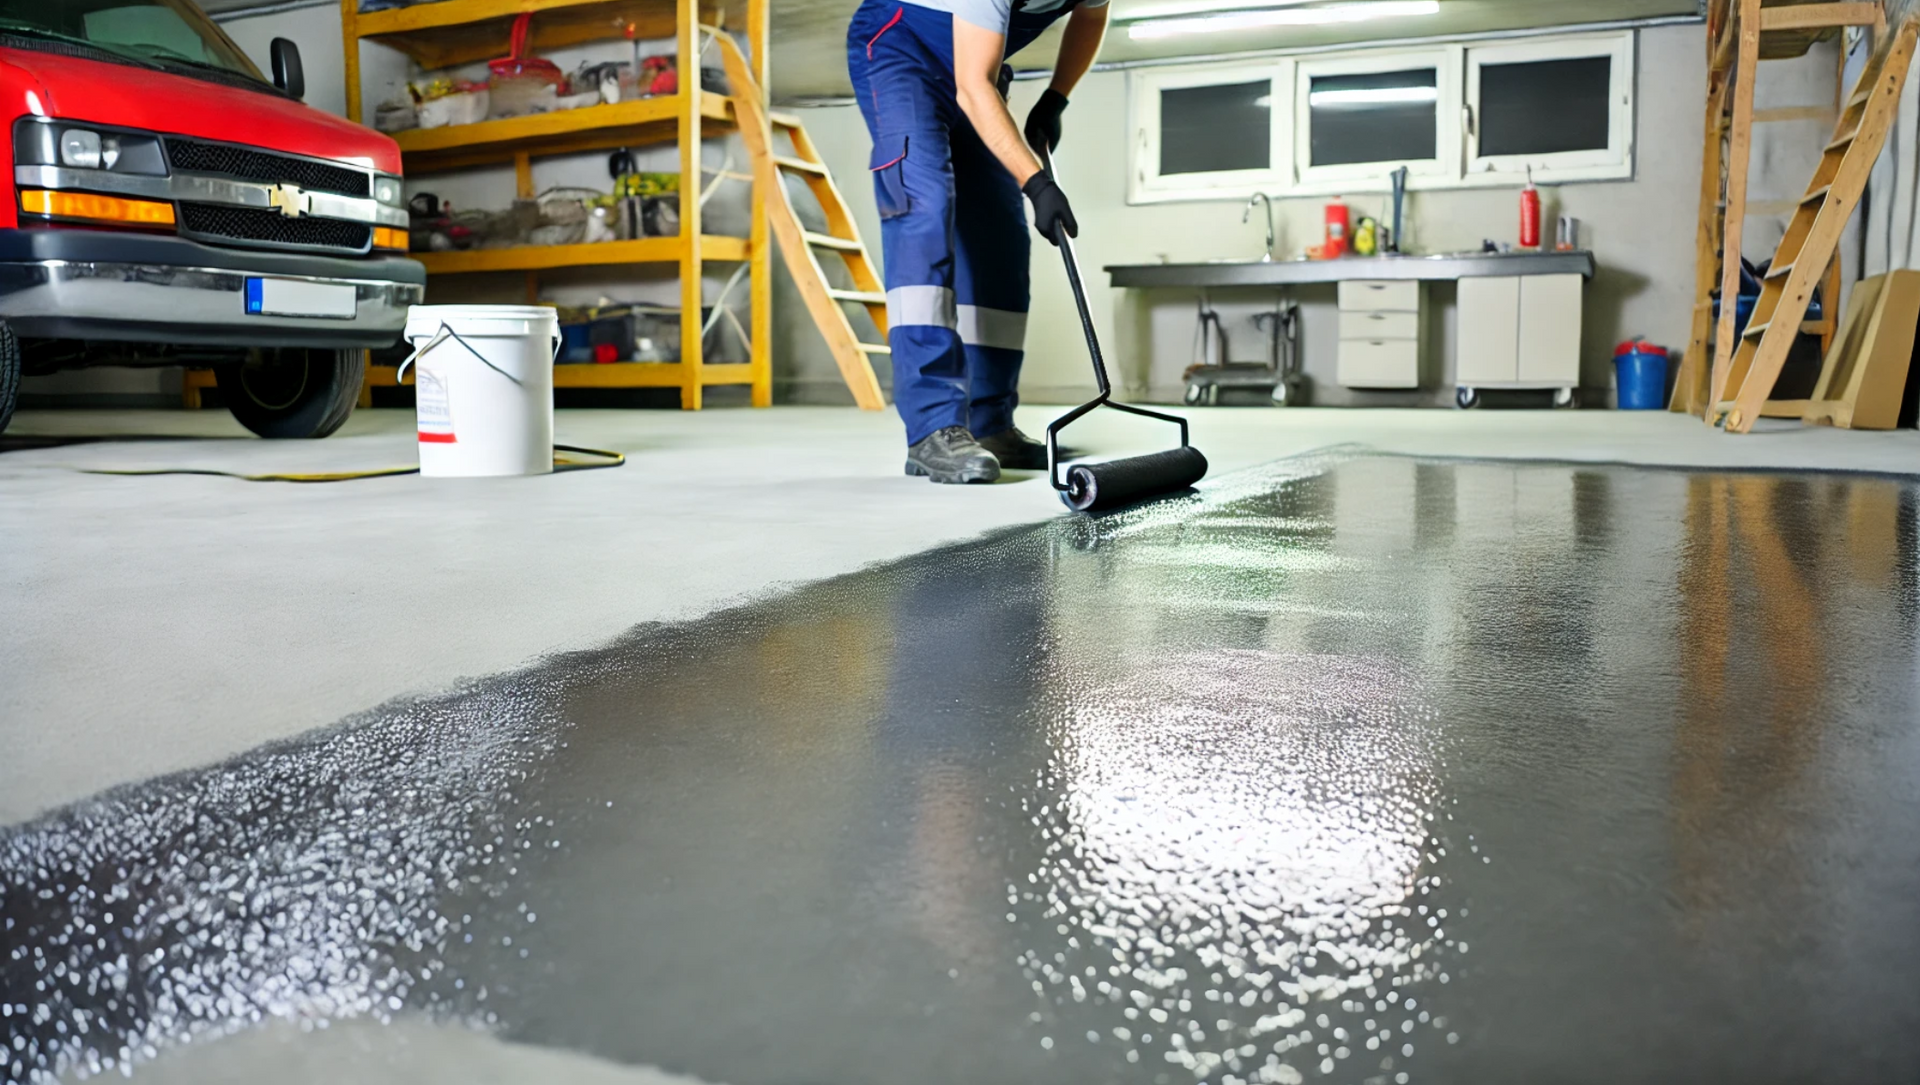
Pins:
<point x="1321" y="15"/>
<point x="1321" y="99"/>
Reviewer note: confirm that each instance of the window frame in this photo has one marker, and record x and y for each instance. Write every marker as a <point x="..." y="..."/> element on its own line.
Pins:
<point x="1613" y="163"/>
<point x="1445" y="164"/>
<point x="1145" y="182"/>
<point x="1457" y="163"/>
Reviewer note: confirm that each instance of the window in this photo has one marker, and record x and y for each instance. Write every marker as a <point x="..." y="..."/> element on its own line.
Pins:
<point x="1379" y="117"/>
<point x="170" y="34"/>
<point x="1562" y="107"/>
<point x="1361" y="117"/>
<point x="1212" y="129"/>
<point x="1205" y="132"/>
<point x="1456" y="115"/>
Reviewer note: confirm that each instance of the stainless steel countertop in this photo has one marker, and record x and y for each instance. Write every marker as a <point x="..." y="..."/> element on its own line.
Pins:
<point x="1284" y="272"/>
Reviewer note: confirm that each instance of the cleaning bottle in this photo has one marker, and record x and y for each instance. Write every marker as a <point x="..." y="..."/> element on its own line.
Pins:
<point x="1529" y="214"/>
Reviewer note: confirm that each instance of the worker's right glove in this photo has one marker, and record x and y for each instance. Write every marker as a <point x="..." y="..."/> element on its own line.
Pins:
<point x="1043" y="120"/>
<point x="1050" y="210"/>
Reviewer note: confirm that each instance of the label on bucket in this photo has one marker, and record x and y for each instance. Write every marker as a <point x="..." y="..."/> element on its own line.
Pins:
<point x="433" y="407"/>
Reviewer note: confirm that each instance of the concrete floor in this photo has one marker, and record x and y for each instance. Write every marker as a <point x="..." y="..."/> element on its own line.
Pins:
<point x="162" y="623"/>
<point x="1352" y="768"/>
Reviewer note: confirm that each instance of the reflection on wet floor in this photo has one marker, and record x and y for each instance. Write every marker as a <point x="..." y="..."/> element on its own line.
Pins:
<point x="1356" y="769"/>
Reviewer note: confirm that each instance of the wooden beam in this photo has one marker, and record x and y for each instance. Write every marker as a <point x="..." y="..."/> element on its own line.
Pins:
<point x="1812" y="16"/>
<point x="692" y="270"/>
<point x="350" y="42"/>
<point x="1739" y="157"/>
<point x="760" y="274"/>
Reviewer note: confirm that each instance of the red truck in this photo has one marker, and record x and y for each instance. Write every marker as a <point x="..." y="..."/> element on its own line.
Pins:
<point x="171" y="206"/>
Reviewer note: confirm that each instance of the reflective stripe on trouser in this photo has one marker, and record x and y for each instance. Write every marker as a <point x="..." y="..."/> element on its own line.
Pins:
<point x="954" y="236"/>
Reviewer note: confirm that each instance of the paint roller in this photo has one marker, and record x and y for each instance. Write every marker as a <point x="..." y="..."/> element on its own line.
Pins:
<point x="1094" y="487"/>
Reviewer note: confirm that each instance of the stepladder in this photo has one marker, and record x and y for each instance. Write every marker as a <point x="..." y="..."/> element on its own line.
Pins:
<point x="1747" y="365"/>
<point x="801" y="248"/>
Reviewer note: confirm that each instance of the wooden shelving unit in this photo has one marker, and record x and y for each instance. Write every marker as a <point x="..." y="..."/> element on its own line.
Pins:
<point x="452" y="32"/>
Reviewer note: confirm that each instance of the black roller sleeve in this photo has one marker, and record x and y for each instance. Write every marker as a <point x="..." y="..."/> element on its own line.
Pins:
<point x="1095" y="486"/>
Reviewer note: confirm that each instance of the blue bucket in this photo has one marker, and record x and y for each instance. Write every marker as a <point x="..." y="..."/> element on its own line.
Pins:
<point x="1640" y="373"/>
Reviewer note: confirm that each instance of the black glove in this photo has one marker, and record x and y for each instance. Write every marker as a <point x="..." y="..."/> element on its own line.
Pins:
<point x="1043" y="120"/>
<point x="1050" y="210"/>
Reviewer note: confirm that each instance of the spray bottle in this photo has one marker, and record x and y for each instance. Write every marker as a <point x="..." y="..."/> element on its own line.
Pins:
<point x="1529" y="214"/>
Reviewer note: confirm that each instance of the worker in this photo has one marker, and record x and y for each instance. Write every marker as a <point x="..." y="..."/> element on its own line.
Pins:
<point x="949" y="168"/>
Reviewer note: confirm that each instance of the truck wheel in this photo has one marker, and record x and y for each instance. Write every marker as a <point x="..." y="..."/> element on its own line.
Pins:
<point x="9" y="374"/>
<point x="293" y="391"/>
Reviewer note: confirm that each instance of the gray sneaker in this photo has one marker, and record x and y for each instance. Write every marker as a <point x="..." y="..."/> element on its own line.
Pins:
<point x="1018" y="452"/>
<point x="952" y="455"/>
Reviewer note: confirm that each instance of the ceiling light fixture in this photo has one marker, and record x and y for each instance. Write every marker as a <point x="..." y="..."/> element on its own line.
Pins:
<point x="1322" y="99"/>
<point x="1320" y="15"/>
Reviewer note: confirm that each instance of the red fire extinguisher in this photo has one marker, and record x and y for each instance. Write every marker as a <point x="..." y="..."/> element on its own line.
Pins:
<point x="1529" y="214"/>
<point x="1337" y="223"/>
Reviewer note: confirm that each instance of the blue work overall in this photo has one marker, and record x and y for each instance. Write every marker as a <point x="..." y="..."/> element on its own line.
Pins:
<point x="953" y="230"/>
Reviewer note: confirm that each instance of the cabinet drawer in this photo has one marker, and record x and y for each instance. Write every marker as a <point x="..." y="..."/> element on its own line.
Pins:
<point x="1363" y="295"/>
<point x="1379" y="363"/>
<point x="1380" y="325"/>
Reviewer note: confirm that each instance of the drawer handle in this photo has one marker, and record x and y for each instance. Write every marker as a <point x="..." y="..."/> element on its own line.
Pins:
<point x="1377" y="316"/>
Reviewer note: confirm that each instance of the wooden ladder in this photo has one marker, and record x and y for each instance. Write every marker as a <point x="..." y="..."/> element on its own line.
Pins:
<point x="798" y="244"/>
<point x="1744" y="371"/>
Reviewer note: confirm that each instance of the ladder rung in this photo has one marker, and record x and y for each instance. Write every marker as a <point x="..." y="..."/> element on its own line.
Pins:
<point x="828" y="241"/>
<point x="873" y="348"/>
<point x="1755" y="331"/>
<point x="799" y="165"/>
<point x="1818" y="195"/>
<point x="1841" y="142"/>
<point x="783" y="120"/>
<point x="1778" y="271"/>
<point x="864" y="297"/>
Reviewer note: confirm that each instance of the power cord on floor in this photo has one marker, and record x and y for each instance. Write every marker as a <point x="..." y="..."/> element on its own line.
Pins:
<point x="560" y="464"/>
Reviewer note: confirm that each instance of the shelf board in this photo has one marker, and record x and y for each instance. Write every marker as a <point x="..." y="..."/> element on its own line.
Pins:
<point x="622" y="124"/>
<point x="449" y="32"/>
<point x="615" y="375"/>
<point x="646" y="250"/>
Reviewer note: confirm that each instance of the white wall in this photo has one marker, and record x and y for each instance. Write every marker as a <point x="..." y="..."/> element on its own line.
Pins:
<point x="1641" y="232"/>
<point x="316" y="30"/>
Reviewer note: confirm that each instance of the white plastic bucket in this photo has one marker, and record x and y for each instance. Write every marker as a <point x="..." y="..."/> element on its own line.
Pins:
<point x="483" y="388"/>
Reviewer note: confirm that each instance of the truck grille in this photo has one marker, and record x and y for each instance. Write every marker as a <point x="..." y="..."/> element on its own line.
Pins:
<point x="194" y="156"/>
<point x="269" y="229"/>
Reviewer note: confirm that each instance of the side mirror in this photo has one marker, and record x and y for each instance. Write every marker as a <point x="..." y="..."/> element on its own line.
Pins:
<point x="287" y="73"/>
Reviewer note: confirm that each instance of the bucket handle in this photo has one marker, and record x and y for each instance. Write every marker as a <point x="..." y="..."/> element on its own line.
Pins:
<point x="446" y="332"/>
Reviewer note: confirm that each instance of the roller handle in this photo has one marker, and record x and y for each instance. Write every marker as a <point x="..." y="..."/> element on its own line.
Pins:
<point x="1079" y="291"/>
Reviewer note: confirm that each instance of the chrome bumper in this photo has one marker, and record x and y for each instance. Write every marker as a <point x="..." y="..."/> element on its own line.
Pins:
<point x="67" y="299"/>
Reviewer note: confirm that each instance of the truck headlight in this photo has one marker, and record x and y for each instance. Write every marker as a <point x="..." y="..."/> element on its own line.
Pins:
<point x="387" y="190"/>
<point x="38" y="142"/>
<point x="82" y="149"/>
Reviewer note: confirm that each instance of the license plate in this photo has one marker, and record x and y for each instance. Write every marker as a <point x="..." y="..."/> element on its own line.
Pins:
<point x="297" y="297"/>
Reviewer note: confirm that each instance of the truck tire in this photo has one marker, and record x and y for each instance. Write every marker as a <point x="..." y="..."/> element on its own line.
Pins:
<point x="293" y="391"/>
<point x="9" y="374"/>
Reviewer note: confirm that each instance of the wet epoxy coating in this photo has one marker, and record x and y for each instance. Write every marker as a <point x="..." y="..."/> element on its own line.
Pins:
<point x="1358" y="769"/>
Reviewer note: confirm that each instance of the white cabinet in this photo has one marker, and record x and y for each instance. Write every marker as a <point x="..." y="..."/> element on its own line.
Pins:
<point x="1518" y="332"/>
<point x="1379" y="333"/>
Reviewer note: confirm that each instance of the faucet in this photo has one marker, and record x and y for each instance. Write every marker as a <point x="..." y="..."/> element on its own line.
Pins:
<point x="1261" y="197"/>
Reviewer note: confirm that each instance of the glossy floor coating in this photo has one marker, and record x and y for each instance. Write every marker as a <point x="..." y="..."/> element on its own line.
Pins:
<point x="1359" y="768"/>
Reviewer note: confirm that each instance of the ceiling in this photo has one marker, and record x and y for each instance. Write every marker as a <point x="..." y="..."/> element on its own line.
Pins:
<point x="809" y="57"/>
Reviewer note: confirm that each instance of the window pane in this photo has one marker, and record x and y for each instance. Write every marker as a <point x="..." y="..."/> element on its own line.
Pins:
<point x="1545" y="106"/>
<point x="1376" y="117"/>
<point x="1211" y="129"/>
